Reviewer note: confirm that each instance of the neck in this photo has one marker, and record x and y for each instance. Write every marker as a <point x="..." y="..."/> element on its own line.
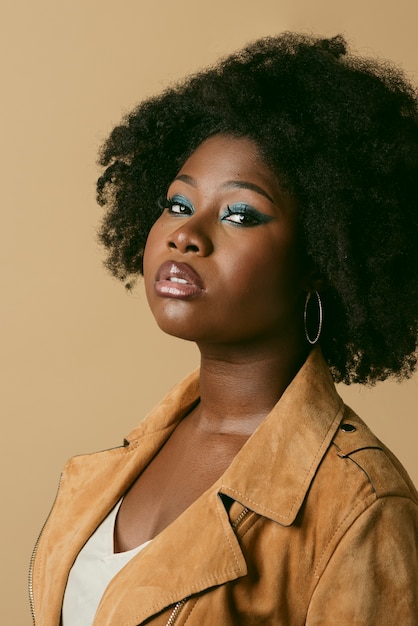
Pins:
<point x="240" y="386"/>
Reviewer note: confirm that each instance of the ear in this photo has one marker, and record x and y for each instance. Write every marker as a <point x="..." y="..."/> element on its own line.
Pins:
<point x="314" y="280"/>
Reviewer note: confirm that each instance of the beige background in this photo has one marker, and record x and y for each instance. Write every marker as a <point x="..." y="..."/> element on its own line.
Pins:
<point x="82" y="361"/>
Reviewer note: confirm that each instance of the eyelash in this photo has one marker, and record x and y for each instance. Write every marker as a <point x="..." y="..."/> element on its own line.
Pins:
<point x="247" y="215"/>
<point x="180" y="202"/>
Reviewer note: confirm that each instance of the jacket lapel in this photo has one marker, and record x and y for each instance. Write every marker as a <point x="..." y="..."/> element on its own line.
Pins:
<point x="272" y="472"/>
<point x="197" y="551"/>
<point x="90" y="486"/>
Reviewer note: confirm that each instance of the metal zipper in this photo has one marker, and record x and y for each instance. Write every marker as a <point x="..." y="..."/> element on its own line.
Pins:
<point x="176" y="612"/>
<point x="179" y="606"/>
<point x="32" y="559"/>
<point x="241" y="517"/>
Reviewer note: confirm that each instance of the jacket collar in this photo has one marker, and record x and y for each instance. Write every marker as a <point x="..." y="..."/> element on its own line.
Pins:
<point x="292" y="438"/>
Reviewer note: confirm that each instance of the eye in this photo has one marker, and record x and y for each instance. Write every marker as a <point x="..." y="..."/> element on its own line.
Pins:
<point x="244" y="215"/>
<point x="179" y="205"/>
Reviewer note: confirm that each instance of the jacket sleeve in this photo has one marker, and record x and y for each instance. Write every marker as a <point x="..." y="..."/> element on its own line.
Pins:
<point x="371" y="579"/>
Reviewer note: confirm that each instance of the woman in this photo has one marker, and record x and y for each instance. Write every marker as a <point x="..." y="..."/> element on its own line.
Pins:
<point x="271" y="203"/>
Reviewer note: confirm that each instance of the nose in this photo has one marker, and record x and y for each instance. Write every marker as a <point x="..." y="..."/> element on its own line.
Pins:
<point x="191" y="238"/>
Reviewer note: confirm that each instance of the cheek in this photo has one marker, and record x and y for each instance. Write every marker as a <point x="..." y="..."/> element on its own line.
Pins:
<point x="153" y="246"/>
<point x="148" y="250"/>
<point x="150" y="261"/>
<point x="273" y="264"/>
<point x="267" y="283"/>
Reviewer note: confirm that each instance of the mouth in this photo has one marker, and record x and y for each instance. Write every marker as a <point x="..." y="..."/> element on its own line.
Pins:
<point x="178" y="280"/>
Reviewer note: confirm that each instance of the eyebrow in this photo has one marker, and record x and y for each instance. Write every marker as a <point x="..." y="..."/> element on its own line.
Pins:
<point x="242" y="184"/>
<point x="186" y="179"/>
<point x="230" y="184"/>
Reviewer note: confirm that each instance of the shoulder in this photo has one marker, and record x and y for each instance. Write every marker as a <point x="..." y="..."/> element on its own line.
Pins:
<point x="366" y="512"/>
<point x="372" y="462"/>
<point x="361" y="493"/>
<point x="356" y="471"/>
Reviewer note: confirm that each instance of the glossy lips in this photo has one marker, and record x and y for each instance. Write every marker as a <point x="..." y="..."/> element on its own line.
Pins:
<point x="177" y="280"/>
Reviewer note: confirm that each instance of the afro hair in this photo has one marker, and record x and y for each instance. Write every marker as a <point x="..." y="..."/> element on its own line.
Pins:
<point x="341" y="134"/>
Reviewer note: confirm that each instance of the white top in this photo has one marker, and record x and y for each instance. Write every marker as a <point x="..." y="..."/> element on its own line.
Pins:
<point x="93" y="569"/>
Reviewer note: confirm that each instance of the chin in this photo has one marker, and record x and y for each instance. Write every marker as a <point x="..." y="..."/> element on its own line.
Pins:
<point x="176" y="327"/>
<point x="173" y="318"/>
<point x="177" y="334"/>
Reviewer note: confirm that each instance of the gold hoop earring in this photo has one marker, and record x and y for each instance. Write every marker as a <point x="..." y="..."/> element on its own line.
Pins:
<point x="320" y="316"/>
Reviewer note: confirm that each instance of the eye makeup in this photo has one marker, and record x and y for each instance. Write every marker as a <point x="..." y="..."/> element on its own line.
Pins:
<point x="241" y="214"/>
<point x="179" y="205"/>
<point x="238" y="214"/>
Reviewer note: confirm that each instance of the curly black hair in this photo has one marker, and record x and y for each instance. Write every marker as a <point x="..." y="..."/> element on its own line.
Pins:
<point x="341" y="133"/>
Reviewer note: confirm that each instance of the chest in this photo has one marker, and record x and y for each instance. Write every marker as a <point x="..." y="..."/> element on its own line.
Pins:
<point x="185" y="467"/>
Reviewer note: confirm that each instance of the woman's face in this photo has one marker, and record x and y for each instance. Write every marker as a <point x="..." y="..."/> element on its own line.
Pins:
<point x="222" y="264"/>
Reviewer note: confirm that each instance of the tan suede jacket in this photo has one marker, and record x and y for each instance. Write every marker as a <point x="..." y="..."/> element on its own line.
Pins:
<point x="314" y="523"/>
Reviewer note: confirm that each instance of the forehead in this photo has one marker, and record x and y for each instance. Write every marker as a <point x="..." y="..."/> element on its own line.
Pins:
<point x="224" y="157"/>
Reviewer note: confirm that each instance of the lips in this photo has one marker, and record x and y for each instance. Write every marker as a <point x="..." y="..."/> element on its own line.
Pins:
<point x="178" y="280"/>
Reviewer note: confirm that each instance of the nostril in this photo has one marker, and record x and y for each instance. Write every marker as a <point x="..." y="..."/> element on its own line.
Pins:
<point x="189" y="240"/>
<point x="191" y="247"/>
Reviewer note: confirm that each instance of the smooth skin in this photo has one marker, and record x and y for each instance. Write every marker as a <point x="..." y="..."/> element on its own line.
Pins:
<point x="230" y="222"/>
